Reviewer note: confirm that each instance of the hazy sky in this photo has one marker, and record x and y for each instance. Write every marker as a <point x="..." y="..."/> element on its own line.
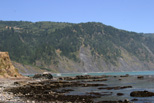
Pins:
<point x="132" y="15"/>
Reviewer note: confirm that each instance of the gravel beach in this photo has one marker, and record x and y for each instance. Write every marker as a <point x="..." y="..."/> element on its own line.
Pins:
<point x="8" y="97"/>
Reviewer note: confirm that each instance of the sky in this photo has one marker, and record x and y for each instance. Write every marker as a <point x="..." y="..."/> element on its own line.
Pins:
<point x="131" y="15"/>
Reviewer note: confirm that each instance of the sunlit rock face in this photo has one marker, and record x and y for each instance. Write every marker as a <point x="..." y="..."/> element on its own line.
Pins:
<point x="6" y="67"/>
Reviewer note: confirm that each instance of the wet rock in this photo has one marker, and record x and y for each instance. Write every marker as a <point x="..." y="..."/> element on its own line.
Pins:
<point x="125" y="101"/>
<point x="61" y="78"/>
<point x="116" y="88"/>
<point x="37" y="76"/>
<point x="83" y="77"/>
<point x="43" y="76"/>
<point x="64" y="90"/>
<point x="93" y="85"/>
<point x="95" y="94"/>
<point x="127" y="75"/>
<point x="125" y="87"/>
<point x="140" y="77"/>
<point x="47" y="76"/>
<point x="80" y="77"/>
<point x="134" y="100"/>
<point x="120" y="94"/>
<point x="99" y="80"/>
<point x="16" y="83"/>
<point x="106" y="93"/>
<point x="68" y="78"/>
<point x="88" y="77"/>
<point x="141" y="94"/>
<point x="95" y="80"/>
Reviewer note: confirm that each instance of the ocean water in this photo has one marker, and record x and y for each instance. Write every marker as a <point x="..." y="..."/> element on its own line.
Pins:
<point x="98" y="73"/>
<point x="104" y="73"/>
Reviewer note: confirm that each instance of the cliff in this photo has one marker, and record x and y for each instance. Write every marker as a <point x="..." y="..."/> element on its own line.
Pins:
<point x="6" y="67"/>
<point x="91" y="63"/>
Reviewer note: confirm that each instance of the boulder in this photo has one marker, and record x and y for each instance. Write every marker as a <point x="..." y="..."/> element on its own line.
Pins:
<point x="37" y="76"/>
<point x="140" y="77"/>
<point x="127" y="75"/>
<point x="43" y="76"/>
<point x="141" y="94"/>
<point x="47" y="76"/>
<point x="83" y="76"/>
<point x="120" y="94"/>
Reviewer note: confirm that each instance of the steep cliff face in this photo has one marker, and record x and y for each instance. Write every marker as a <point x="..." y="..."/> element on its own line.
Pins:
<point x="90" y="63"/>
<point x="6" y="67"/>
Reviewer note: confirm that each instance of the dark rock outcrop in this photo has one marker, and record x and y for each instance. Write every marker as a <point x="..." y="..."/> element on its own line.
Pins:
<point x="140" y="77"/>
<point x="116" y="88"/>
<point x="125" y="101"/>
<point x="43" y="76"/>
<point x="120" y="94"/>
<point x="141" y="94"/>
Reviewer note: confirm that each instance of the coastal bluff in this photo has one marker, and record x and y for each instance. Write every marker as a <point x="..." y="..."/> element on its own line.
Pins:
<point x="7" y="70"/>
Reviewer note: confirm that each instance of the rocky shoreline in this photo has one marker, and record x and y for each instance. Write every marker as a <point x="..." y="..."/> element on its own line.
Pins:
<point x="54" y="90"/>
<point x="8" y="97"/>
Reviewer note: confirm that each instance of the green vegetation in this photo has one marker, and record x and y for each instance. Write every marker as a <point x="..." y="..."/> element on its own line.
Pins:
<point x="28" y="42"/>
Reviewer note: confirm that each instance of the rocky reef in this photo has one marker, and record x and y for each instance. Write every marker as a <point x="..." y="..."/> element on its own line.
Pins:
<point x="56" y="89"/>
<point x="45" y="88"/>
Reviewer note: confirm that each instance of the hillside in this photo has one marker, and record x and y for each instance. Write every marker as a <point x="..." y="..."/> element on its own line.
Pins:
<point x="6" y="67"/>
<point x="83" y="47"/>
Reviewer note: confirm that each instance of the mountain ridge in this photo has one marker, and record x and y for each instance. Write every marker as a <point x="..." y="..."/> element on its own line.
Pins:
<point x="60" y="47"/>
